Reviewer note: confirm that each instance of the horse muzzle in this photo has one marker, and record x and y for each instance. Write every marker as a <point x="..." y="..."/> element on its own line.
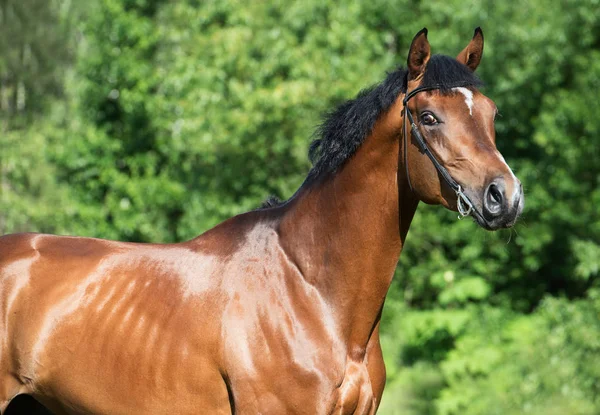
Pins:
<point x="498" y="208"/>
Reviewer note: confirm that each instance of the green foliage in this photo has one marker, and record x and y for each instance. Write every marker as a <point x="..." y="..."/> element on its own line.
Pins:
<point x="587" y="255"/>
<point x="153" y="120"/>
<point x="546" y="363"/>
<point x="496" y="361"/>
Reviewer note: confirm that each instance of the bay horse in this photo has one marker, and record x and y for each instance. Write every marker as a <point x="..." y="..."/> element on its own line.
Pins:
<point x="273" y="311"/>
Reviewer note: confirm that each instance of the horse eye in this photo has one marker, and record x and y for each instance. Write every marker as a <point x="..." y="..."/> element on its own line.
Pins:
<point x="428" y="118"/>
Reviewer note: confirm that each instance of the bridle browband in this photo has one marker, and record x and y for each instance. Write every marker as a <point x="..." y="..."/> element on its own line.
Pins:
<point x="464" y="205"/>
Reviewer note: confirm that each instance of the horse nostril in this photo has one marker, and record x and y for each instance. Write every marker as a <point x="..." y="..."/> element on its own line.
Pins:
<point x="493" y="199"/>
<point x="495" y="195"/>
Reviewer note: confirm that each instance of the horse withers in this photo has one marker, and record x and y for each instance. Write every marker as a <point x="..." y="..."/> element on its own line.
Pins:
<point x="275" y="310"/>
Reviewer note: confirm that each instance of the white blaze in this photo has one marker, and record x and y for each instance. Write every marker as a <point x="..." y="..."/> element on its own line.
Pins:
<point x="516" y="189"/>
<point x="468" y="97"/>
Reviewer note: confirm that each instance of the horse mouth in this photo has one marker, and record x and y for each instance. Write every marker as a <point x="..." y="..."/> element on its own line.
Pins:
<point x="483" y="222"/>
<point x="505" y="221"/>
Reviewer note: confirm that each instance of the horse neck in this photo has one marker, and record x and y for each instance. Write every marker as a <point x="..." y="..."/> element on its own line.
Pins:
<point x="345" y="231"/>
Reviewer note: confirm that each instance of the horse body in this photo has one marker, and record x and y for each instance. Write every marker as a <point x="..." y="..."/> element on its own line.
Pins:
<point x="273" y="311"/>
<point x="88" y="334"/>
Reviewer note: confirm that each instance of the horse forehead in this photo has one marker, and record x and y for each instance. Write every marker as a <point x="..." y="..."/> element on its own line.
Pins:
<point x="467" y="108"/>
<point x="467" y="95"/>
<point x="476" y="101"/>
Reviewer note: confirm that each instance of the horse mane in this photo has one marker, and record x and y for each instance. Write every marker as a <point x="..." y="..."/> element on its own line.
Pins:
<point x="271" y="201"/>
<point x="343" y="130"/>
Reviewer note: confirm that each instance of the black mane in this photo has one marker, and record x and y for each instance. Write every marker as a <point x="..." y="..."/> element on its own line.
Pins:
<point x="271" y="201"/>
<point x="344" y="129"/>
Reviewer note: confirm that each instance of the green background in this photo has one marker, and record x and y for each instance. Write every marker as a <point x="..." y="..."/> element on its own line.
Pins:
<point x="153" y="120"/>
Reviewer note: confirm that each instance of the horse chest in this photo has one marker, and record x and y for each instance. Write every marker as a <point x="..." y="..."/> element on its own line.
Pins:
<point x="296" y="392"/>
<point x="296" y="376"/>
<point x="288" y="356"/>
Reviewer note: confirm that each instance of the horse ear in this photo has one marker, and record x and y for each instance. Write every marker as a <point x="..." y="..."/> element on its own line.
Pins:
<point x="418" y="55"/>
<point x="471" y="55"/>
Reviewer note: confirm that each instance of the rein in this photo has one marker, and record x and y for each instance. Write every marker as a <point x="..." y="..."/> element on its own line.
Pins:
<point x="464" y="205"/>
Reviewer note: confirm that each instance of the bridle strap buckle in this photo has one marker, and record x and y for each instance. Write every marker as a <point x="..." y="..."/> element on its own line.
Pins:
<point x="461" y="201"/>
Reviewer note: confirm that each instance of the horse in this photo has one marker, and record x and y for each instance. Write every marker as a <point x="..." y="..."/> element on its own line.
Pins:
<point x="276" y="310"/>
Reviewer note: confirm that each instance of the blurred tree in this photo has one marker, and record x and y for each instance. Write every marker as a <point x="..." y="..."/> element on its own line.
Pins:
<point x="110" y="159"/>
<point x="34" y="49"/>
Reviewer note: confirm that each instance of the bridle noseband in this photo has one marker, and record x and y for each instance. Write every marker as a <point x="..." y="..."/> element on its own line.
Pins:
<point x="464" y="205"/>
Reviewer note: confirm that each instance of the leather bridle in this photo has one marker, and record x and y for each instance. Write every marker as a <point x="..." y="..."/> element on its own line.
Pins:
<point x="464" y="205"/>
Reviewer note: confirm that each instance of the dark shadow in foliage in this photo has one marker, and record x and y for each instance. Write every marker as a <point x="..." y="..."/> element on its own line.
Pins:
<point x="26" y="405"/>
<point x="146" y="8"/>
<point x="434" y="349"/>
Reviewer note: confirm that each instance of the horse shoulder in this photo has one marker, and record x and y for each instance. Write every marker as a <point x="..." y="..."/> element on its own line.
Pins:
<point x="281" y="352"/>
